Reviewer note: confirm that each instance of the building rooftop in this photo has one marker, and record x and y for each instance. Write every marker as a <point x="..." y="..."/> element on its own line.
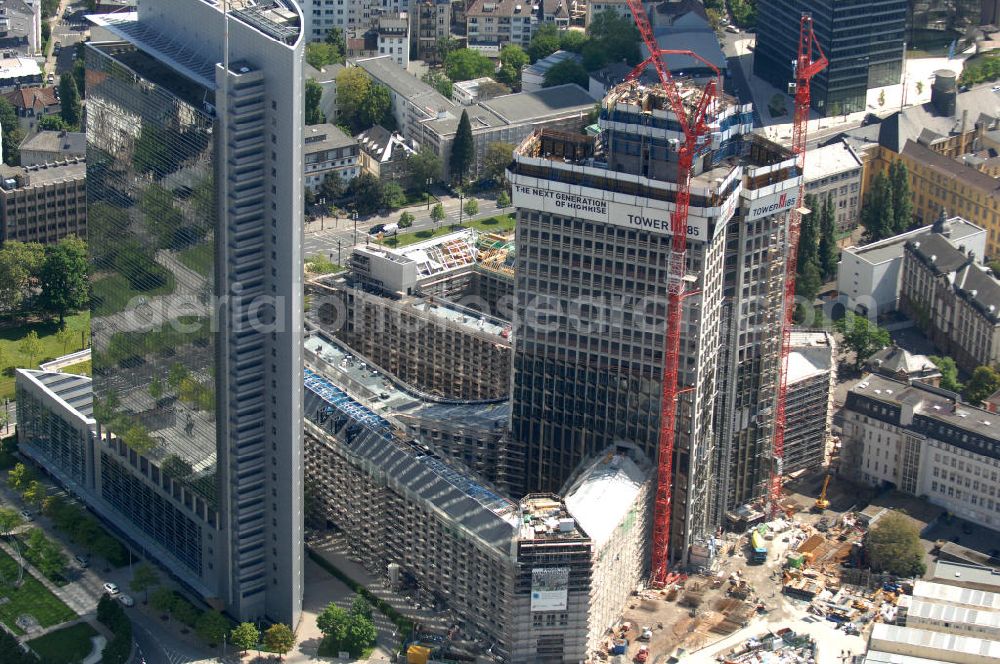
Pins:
<point x="895" y="360"/>
<point x="325" y="136"/>
<point x="883" y="657"/>
<point x="18" y="66"/>
<point x="384" y="68"/>
<point x="384" y="145"/>
<point x="556" y="8"/>
<point x="542" y="66"/>
<point x="540" y="105"/>
<point x="952" y="168"/>
<point x="67" y="142"/>
<point x="74" y="168"/>
<point x="811" y="355"/>
<point x="966" y="575"/>
<point x="606" y="490"/>
<point x="980" y="289"/>
<point x="936" y="645"/>
<point x="892" y="248"/>
<point x="544" y="516"/>
<point x="451" y="489"/>
<point x="323" y="75"/>
<point x="934" y="404"/>
<point x="18" y="17"/>
<point x="830" y="160"/>
<point x="73" y="390"/>
<point x="702" y="42"/>
<point x="944" y="612"/>
<point x="32" y="98"/>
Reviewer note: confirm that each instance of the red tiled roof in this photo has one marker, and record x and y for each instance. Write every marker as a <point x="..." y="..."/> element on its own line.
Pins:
<point x="32" y="98"/>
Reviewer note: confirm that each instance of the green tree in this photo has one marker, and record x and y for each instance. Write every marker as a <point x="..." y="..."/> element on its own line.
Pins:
<point x="321" y="54"/>
<point x="332" y="187"/>
<point x="19" y="477"/>
<point x="877" y="215"/>
<point x="20" y="267"/>
<point x="279" y="638"/>
<point x="314" y="91"/>
<point x="110" y="549"/>
<point x="69" y="101"/>
<point x="471" y="207"/>
<point x="509" y="76"/>
<point x="902" y="197"/>
<point x="12" y="133"/>
<point x="503" y="199"/>
<point x="466" y="64"/>
<point x="212" y="627"/>
<point x="11" y="652"/>
<point x="30" y="346"/>
<point x="64" y="277"/>
<point x="393" y="196"/>
<point x="572" y="40"/>
<point x="9" y="520"/>
<point x="495" y="162"/>
<point x="245" y="636"/>
<point x="406" y="220"/>
<point x="421" y="167"/>
<point x="444" y="46"/>
<point x="354" y="93"/>
<point x="827" y="251"/>
<point x="162" y="600"/>
<point x="613" y="38"/>
<point x="994" y="266"/>
<point x="808" y="279"/>
<point x="437" y="213"/>
<point x="366" y="192"/>
<point x="361" y="634"/>
<point x="862" y="337"/>
<point x="544" y="42"/>
<point x="52" y="123"/>
<point x="361" y="607"/>
<point x="514" y="56"/>
<point x="333" y="622"/>
<point x="949" y="373"/>
<point x="34" y="494"/>
<point x="567" y="71"/>
<point x="144" y="578"/>
<point x="744" y="13"/>
<point x="462" y="149"/>
<point x="984" y="382"/>
<point x="439" y="81"/>
<point x="65" y="336"/>
<point x="893" y="545"/>
<point x="185" y="612"/>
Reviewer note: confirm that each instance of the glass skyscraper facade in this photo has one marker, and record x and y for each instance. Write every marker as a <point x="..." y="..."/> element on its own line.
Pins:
<point x="863" y="40"/>
<point x="195" y="188"/>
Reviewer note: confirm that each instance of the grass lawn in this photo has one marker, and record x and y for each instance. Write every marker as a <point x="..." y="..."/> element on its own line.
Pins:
<point x="498" y="224"/>
<point x="64" y="646"/>
<point x="200" y="258"/>
<point x="319" y="264"/>
<point x="11" y="356"/>
<point x="32" y="597"/>
<point x="112" y="293"/>
<point x="81" y="369"/>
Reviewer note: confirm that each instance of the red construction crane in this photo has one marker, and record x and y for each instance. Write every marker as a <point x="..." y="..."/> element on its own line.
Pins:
<point x="805" y="68"/>
<point x="695" y="128"/>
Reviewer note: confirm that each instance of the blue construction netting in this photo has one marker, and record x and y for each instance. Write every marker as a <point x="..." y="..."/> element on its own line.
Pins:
<point x="335" y="396"/>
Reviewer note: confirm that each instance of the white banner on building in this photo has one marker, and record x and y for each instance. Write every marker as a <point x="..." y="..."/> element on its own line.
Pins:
<point x="598" y="209"/>
<point x="772" y="204"/>
<point x="549" y="588"/>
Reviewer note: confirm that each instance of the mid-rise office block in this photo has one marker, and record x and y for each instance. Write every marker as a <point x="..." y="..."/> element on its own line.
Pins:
<point x="835" y="173"/>
<point x="812" y="374"/>
<point x="952" y="297"/>
<point x="863" y="40"/>
<point x="920" y="440"/>
<point x="593" y="243"/>
<point x="43" y="203"/>
<point x="195" y="180"/>
<point x="492" y="24"/>
<point x="430" y="20"/>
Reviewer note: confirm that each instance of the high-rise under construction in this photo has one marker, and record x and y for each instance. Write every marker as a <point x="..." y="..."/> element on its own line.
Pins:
<point x="593" y="248"/>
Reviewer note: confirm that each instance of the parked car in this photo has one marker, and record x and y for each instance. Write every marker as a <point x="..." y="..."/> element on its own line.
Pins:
<point x="376" y="229"/>
<point x="51" y="78"/>
<point x="111" y="588"/>
<point x="733" y="29"/>
<point x="26" y="515"/>
<point x="126" y="600"/>
<point x="82" y="560"/>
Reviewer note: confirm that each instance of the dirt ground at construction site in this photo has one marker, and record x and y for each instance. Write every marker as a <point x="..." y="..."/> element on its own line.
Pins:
<point x="704" y="612"/>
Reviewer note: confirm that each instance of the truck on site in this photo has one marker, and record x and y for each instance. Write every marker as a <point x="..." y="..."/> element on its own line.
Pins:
<point x="758" y="547"/>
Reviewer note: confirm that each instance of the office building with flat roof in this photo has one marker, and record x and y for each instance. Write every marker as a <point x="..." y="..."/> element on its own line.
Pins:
<point x="44" y="202"/>
<point x="863" y="40"/>
<point x="195" y="157"/>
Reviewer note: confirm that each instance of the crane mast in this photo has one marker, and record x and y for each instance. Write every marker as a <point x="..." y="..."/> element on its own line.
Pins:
<point x="694" y="128"/>
<point x="805" y="68"/>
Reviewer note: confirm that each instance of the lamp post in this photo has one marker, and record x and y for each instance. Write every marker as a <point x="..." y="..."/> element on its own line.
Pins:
<point x="429" y="182"/>
<point x="460" y="195"/>
<point x="355" y="215"/>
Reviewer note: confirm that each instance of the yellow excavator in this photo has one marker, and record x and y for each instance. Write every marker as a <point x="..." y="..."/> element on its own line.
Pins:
<point x="822" y="503"/>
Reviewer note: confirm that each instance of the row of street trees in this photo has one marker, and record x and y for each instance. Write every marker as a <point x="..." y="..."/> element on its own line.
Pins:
<point x="888" y="207"/>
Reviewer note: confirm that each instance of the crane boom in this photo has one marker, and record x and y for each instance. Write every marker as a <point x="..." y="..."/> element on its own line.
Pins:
<point x="805" y="69"/>
<point x="693" y="126"/>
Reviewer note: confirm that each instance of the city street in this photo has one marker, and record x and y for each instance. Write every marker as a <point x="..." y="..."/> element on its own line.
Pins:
<point x="322" y="237"/>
